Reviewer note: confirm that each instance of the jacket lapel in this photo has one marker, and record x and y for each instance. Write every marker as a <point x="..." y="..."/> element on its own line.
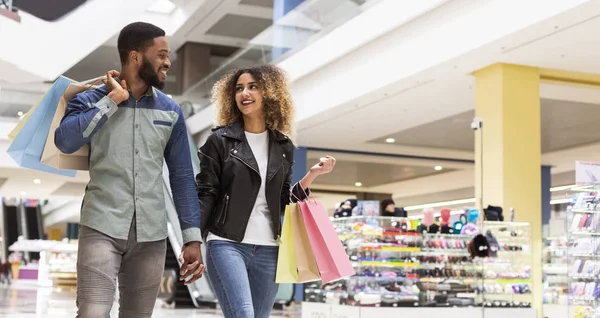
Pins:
<point x="242" y="150"/>
<point x="276" y="154"/>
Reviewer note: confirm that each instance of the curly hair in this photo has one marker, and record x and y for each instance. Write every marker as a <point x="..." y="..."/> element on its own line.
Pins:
<point x="277" y="100"/>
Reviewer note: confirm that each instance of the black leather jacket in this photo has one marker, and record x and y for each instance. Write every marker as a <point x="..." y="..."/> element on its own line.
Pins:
<point x="228" y="182"/>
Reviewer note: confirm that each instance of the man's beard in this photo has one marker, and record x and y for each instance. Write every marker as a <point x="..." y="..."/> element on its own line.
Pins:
<point x="149" y="75"/>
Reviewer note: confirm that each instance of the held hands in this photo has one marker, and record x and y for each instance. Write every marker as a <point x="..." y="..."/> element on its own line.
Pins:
<point x="325" y="165"/>
<point x="192" y="264"/>
<point x="116" y="91"/>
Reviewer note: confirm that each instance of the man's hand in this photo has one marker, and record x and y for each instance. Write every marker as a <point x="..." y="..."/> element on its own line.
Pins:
<point x="191" y="263"/>
<point x="116" y="91"/>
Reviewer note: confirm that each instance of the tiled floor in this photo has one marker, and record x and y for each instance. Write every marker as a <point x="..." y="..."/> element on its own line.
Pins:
<point x="25" y="300"/>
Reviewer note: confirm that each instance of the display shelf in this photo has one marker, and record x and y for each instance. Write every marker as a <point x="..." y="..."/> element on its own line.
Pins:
<point x="397" y="267"/>
<point x="555" y="269"/>
<point x="57" y="264"/>
<point x="583" y="251"/>
<point x="507" y="272"/>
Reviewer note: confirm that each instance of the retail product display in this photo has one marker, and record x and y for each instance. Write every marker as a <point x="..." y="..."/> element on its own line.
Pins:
<point x="507" y="276"/>
<point x="555" y="270"/>
<point x="401" y="264"/>
<point x="57" y="264"/>
<point x="583" y="251"/>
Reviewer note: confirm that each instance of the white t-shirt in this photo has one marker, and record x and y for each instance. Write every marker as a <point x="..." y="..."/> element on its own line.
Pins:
<point x="259" y="230"/>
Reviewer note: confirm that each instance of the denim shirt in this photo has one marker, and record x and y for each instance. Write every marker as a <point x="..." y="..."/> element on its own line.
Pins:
<point x="129" y="144"/>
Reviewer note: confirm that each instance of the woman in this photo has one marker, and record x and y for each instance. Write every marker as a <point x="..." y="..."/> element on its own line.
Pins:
<point x="244" y="186"/>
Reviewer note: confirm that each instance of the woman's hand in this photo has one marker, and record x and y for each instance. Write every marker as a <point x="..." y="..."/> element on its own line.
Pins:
<point x="324" y="166"/>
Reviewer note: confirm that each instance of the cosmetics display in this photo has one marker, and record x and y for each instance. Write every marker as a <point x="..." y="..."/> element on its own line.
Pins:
<point x="57" y="264"/>
<point x="583" y="252"/>
<point x="396" y="266"/>
<point x="555" y="270"/>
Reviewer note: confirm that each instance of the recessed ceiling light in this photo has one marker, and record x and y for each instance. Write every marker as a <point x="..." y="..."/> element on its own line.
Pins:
<point x="37" y="181"/>
<point x="390" y="140"/>
<point x="162" y="6"/>
<point x="23" y="193"/>
<point x="20" y="114"/>
<point x="438" y="168"/>
<point x="358" y="184"/>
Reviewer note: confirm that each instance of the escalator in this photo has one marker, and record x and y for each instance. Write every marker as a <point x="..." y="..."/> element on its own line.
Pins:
<point x="200" y="293"/>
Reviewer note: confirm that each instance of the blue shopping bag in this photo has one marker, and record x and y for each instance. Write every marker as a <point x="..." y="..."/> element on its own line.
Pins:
<point x="28" y="146"/>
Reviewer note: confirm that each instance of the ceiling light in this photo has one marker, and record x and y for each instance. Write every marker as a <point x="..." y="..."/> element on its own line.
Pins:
<point x="560" y="201"/>
<point x="358" y="184"/>
<point x="439" y="204"/>
<point x="162" y="6"/>
<point x="20" y="114"/>
<point x="562" y="188"/>
<point x="390" y="140"/>
<point x="438" y="168"/>
<point x="37" y="181"/>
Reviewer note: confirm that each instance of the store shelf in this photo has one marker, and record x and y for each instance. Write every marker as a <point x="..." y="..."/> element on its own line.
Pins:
<point x="406" y="269"/>
<point x="583" y="253"/>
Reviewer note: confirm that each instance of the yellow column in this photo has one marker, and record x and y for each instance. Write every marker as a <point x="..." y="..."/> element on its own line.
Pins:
<point x="507" y="100"/>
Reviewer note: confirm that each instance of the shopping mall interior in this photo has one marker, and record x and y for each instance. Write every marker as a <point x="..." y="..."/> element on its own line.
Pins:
<point x="453" y="106"/>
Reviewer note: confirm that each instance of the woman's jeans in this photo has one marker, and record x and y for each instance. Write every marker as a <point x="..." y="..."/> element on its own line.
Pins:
<point x="243" y="277"/>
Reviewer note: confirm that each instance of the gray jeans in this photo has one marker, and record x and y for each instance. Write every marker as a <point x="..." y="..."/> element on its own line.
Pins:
<point x="138" y="266"/>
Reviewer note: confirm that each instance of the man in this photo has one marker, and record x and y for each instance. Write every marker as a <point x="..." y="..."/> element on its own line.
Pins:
<point x="131" y="128"/>
<point x="388" y="208"/>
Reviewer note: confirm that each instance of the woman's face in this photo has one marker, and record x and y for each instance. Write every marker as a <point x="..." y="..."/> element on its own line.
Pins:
<point x="248" y="96"/>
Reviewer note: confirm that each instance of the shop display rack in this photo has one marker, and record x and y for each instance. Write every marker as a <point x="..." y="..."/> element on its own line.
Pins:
<point x="583" y="252"/>
<point x="398" y="267"/>
<point x="555" y="270"/>
<point x="57" y="264"/>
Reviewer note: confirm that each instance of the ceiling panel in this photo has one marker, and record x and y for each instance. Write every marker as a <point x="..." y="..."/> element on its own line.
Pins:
<point x="12" y="110"/>
<point x="564" y="125"/>
<point x="70" y="189"/>
<point x="259" y="3"/>
<point x="239" y="26"/>
<point x="347" y="173"/>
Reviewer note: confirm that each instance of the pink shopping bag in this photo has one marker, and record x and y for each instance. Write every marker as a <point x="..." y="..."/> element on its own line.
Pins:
<point x="332" y="260"/>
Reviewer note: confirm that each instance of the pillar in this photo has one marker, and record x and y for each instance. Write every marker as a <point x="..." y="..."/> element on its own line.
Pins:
<point x="546" y="197"/>
<point x="280" y="9"/>
<point x="299" y="169"/>
<point x="192" y="66"/>
<point x="508" y="102"/>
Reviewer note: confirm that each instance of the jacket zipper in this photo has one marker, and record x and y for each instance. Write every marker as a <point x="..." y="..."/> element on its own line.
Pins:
<point x="244" y="162"/>
<point x="278" y="238"/>
<point x="223" y="216"/>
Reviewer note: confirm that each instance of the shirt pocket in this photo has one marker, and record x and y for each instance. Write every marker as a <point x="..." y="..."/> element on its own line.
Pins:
<point x="162" y="123"/>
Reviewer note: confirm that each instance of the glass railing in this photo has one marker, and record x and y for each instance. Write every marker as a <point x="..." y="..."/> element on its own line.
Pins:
<point x="297" y="29"/>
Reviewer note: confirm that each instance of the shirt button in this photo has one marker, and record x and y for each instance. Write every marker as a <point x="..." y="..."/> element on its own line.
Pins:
<point x="284" y="155"/>
<point x="235" y="151"/>
<point x="136" y="125"/>
<point x="137" y="151"/>
<point x="136" y="174"/>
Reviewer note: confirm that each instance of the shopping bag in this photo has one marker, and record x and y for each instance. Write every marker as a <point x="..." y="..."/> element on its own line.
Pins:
<point x="13" y="134"/>
<point x="332" y="260"/>
<point x="305" y="258"/>
<point x="27" y="147"/>
<point x="51" y="155"/>
<point x="287" y="270"/>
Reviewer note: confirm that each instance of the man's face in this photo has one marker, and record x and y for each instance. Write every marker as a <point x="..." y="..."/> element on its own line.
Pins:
<point x="155" y="63"/>
<point x="390" y="207"/>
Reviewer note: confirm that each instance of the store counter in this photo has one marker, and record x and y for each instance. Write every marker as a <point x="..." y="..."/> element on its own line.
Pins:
<point x="319" y="310"/>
